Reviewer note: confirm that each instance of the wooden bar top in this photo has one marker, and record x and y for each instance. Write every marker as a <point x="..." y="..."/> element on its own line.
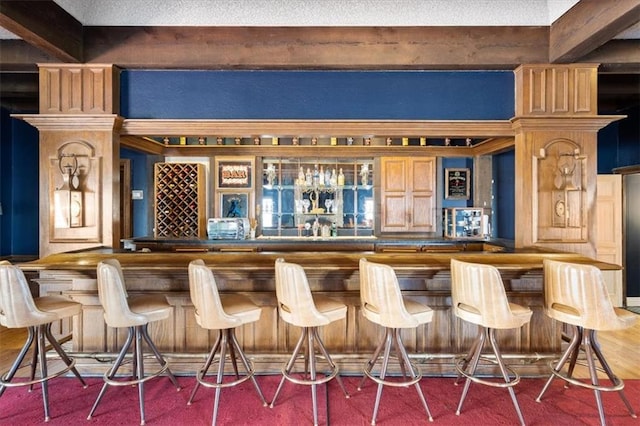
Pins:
<point x="237" y="258"/>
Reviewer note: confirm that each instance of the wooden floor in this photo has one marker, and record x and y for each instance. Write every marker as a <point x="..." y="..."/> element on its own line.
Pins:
<point x="621" y="348"/>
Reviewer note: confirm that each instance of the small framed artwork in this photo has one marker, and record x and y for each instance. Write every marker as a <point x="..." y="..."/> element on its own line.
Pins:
<point x="234" y="204"/>
<point x="457" y="184"/>
<point x="234" y="174"/>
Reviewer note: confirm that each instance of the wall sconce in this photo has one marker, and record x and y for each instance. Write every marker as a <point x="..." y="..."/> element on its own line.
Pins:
<point x="566" y="165"/>
<point x="67" y="200"/>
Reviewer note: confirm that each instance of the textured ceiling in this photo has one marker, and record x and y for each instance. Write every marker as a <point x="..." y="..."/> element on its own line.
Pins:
<point x="318" y="13"/>
<point x="314" y="12"/>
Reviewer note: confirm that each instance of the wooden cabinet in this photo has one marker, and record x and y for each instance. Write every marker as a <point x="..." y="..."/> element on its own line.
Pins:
<point x="180" y="201"/>
<point x="407" y="194"/>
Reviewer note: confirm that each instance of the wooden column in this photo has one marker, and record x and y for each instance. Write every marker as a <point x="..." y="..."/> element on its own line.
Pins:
<point x="556" y="127"/>
<point x="79" y="156"/>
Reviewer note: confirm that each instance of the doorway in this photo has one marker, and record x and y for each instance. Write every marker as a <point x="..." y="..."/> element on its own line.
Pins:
<point x="126" y="218"/>
<point x="631" y="199"/>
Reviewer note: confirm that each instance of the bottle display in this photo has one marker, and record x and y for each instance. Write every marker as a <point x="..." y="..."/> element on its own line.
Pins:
<point x="319" y="197"/>
<point x="467" y="222"/>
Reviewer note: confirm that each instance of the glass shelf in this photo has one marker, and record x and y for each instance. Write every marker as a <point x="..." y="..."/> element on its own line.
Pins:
<point x="293" y="192"/>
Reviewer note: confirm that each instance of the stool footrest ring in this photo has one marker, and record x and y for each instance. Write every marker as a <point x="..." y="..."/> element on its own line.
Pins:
<point x="209" y="384"/>
<point x="5" y="383"/>
<point x="325" y="378"/>
<point x="617" y="384"/>
<point x="398" y="384"/>
<point x="476" y="379"/>
<point x="150" y="376"/>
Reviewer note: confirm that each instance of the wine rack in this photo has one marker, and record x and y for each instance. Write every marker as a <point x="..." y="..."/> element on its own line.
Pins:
<point x="180" y="200"/>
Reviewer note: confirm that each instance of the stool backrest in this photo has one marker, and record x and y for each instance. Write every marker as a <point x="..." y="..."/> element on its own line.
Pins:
<point x="209" y="311"/>
<point x="380" y="296"/>
<point x="295" y="302"/>
<point x="478" y="295"/>
<point x="576" y="294"/>
<point x="113" y="296"/>
<point x="17" y="307"/>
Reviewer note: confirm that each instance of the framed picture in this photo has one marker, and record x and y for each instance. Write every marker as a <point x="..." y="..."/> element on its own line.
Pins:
<point x="234" y="204"/>
<point x="234" y="174"/>
<point x="457" y="183"/>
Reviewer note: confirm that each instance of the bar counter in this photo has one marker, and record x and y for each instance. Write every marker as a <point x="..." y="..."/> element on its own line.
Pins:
<point x="247" y="267"/>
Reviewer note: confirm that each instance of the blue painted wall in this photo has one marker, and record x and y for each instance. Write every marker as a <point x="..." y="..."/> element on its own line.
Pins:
<point x="504" y="193"/>
<point x="458" y="163"/>
<point x="19" y="223"/>
<point x="141" y="172"/>
<point x="619" y="143"/>
<point x="412" y="95"/>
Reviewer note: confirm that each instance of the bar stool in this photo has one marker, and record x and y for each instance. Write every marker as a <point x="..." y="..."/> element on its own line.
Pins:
<point x="296" y="306"/>
<point x="135" y="313"/>
<point x="222" y="313"/>
<point x="478" y="296"/>
<point x="577" y="295"/>
<point x="382" y="303"/>
<point x="18" y="309"/>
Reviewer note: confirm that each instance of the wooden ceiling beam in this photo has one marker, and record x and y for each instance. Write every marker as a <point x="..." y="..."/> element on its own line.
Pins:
<point x="46" y="26"/>
<point x="617" y="56"/>
<point x="317" y="47"/>
<point x="18" y="55"/>
<point x="587" y="26"/>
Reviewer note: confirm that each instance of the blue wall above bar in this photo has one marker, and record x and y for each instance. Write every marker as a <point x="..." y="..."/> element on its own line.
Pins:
<point x="343" y="95"/>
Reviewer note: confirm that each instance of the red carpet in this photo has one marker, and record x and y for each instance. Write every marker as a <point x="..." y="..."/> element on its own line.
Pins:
<point x="70" y="404"/>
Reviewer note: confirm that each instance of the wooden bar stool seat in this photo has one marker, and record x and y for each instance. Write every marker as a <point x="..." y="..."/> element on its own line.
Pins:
<point x="223" y="313"/>
<point x="576" y="295"/>
<point x="297" y="306"/>
<point x="18" y="309"/>
<point x="134" y="313"/>
<point x="478" y="296"/>
<point x="382" y="303"/>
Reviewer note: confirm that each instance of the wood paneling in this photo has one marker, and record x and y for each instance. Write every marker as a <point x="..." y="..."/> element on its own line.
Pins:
<point x="609" y="232"/>
<point x="79" y="89"/>
<point x="558" y="90"/>
<point x="556" y="106"/>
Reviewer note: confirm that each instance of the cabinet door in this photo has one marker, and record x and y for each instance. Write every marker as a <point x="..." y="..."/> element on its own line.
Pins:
<point x="423" y="212"/>
<point x="394" y="195"/>
<point x="407" y="194"/>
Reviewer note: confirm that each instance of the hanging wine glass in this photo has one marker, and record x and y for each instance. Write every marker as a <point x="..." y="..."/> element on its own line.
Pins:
<point x="328" y="203"/>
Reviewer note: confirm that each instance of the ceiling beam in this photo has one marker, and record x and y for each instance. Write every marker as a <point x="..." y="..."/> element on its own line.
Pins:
<point x="46" y="26"/>
<point x="18" y="55"/>
<point x="317" y="47"/>
<point x="588" y="25"/>
<point x="617" y="56"/>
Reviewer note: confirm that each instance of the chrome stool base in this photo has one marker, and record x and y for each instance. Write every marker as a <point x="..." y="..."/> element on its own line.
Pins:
<point x="411" y="377"/>
<point x="312" y="339"/>
<point x="586" y="340"/>
<point x="226" y="339"/>
<point x="36" y="338"/>
<point x="140" y="333"/>
<point x="467" y="367"/>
